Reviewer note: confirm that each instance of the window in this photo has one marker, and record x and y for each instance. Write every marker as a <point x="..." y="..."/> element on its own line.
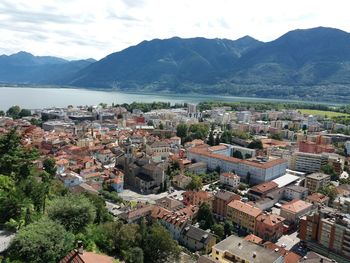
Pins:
<point x="217" y="252"/>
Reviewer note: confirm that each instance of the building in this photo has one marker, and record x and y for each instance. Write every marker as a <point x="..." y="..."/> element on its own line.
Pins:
<point x="221" y="199"/>
<point x="347" y="147"/>
<point x="236" y="249"/>
<point x="230" y="179"/>
<point x="308" y="162"/>
<point x="197" y="168"/>
<point x="80" y="256"/>
<point x="169" y="203"/>
<point x="294" y="210"/>
<point x="245" y="152"/>
<point x="269" y="227"/>
<point x="318" y="199"/>
<point x="255" y="170"/>
<point x="243" y="215"/>
<point x="261" y="190"/>
<point x="196" y="239"/>
<point x="295" y="192"/>
<point x="181" y="181"/>
<point x="197" y="198"/>
<point x="316" y="180"/>
<point x="327" y="232"/>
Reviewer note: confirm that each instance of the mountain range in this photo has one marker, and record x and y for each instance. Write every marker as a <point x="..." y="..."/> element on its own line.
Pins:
<point x="309" y="64"/>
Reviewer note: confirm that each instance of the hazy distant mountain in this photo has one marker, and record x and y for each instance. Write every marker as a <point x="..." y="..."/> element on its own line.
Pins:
<point x="308" y="64"/>
<point x="23" y="67"/>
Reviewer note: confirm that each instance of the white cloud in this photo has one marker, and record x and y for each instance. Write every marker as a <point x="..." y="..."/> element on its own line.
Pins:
<point x="89" y="28"/>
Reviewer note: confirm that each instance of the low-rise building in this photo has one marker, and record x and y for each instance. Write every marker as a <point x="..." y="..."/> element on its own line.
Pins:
<point x="294" y="210"/>
<point x="243" y="215"/>
<point x="269" y="227"/>
<point x="318" y="199"/>
<point x="221" y="199"/>
<point x="295" y="192"/>
<point x="196" y="239"/>
<point x="230" y="179"/>
<point x="261" y="190"/>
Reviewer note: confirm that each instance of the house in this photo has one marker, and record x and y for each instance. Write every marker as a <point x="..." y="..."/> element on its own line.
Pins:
<point x="196" y="239"/>
<point x="243" y="215"/>
<point x="134" y="215"/>
<point x="80" y="256"/>
<point x="221" y="199"/>
<point x="269" y="227"/>
<point x="254" y="239"/>
<point x="70" y="179"/>
<point x="158" y="148"/>
<point x="294" y="210"/>
<point x="295" y="192"/>
<point x="169" y="203"/>
<point x="236" y="249"/>
<point x="197" y="198"/>
<point x="230" y="179"/>
<point x="318" y="199"/>
<point x="181" y="181"/>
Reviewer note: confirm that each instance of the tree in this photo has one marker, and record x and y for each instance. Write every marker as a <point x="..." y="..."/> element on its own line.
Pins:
<point x="195" y="184"/>
<point x="49" y="165"/>
<point x="159" y="246"/>
<point x="328" y="169"/>
<point x="13" y="112"/>
<point x="205" y="216"/>
<point x="328" y="190"/>
<point x="217" y="140"/>
<point x="219" y="230"/>
<point x="182" y="130"/>
<point x="24" y="113"/>
<point x="42" y="241"/>
<point x="74" y="212"/>
<point x="228" y="228"/>
<point x="211" y="140"/>
<point x="135" y="255"/>
<point x="255" y="144"/>
<point x="2" y="113"/>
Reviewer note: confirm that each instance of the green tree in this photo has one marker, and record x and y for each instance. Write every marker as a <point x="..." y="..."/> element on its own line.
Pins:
<point x="161" y="126"/>
<point x="195" y="184"/>
<point x="328" y="190"/>
<point x="217" y="140"/>
<point x="211" y="139"/>
<point x="42" y="241"/>
<point x="49" y="165"/>
<point x="219" y="230"/>
<point x="24" y="113"/>
<point x="205" y="216"/>
<point x="255" y="144"/>
<point x="182" y="130"/>
<point x="228" y="228"/>
<point x="74" y="212"/>
<point x="135" y="255"/>
<point x="328" y="169"/>
<point x="13" y="112"/>
<point x="2" y="113"/>
<point x="159" y="246"/>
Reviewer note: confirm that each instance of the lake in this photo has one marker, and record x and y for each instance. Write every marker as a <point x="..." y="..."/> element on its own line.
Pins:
<point x="36" y="97"/>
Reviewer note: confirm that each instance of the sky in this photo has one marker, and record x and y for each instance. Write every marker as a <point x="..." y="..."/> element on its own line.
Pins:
<point x="77" y="29"/>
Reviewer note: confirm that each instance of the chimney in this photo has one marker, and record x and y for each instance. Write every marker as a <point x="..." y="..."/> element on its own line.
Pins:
<point x="80" y="247"/>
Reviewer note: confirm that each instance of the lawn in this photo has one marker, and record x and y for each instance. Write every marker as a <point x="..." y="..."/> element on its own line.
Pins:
<point x="329" y="114"/>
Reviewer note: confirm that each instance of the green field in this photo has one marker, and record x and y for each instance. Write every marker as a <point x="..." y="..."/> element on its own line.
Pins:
<point x="329" y="114"/>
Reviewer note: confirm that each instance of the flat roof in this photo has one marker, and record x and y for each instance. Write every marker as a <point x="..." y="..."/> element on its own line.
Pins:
<point x="285" y="180"/>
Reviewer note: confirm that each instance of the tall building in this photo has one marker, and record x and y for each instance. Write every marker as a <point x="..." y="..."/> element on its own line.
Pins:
<point x="308" y="162"/>
<point x="327" y="232"/>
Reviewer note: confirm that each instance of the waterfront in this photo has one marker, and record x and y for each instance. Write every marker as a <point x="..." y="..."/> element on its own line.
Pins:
<point x="36" y="97"/>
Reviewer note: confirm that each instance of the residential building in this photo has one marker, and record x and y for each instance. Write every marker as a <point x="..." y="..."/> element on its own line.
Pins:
<point x="254" y="239"/>
<point x="243" y="215"/>
<point x="308" y="162"/>
<point x="221" y="199"/>
<point x="181" y="181"/>
<point x="295" y="192"/>
<point x="318" y="199"/>
<point x="269" y="227"/>
<point x="196" y="239"/>
<point x="347" y="147"/>
<point x="169" y="203"/>
<point x="316" y="180"/>
<point x="80" y="256"/>
<point x="327" y="232"/>
<point x="197" y="168"/>
<point x="294" y="210"/>
<point x="197" y="198"/>
<point x="236" y="249"/>
<point x="230" y="179"/>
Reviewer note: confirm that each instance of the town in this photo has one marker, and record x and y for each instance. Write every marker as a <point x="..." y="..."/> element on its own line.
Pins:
<point x="228" y="182"/>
